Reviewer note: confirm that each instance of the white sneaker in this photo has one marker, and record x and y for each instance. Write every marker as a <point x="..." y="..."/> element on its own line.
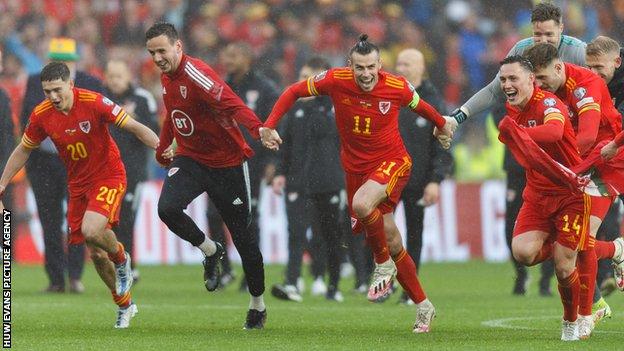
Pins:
<point x="318" y="287"/>
<point x="425" y="312"/>
<point x="618" y="263"/>
<point x="123" y="277"/>
<point x="124" y="315"/>
<point x="346" y="270"/>
<point x="381" y="286"/>
<point x="286" y="292"/>
<point x="585" y="326"/>
<point x="569" y="331"/>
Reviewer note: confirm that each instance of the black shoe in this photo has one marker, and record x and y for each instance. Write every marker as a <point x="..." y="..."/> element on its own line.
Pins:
<point x="211" y="268"/>
<point x="54" y="289"/>
<point x="520" y="284"/>
<point x="545" y="291"/>
<point x="255" y="319"/>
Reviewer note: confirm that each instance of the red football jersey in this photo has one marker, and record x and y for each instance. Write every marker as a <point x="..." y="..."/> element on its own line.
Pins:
<point x="541" y="108"/>
<point x="81" y="137"/>
<point x="584" y="91"/>
<point x="203" y="115"/>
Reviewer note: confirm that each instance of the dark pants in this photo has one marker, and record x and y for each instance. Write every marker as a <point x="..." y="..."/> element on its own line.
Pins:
<point x="326" y="218"/>
<point x="48" y="180"/>
<point x="297" y="239"/>
<point x="516" y="183"/>
<point x="217" y="230"/>
<point x="414" y="222"/>
<point x="609" y="230"/>
<point x="228" y="189"/>
<point x="127" y="217"/>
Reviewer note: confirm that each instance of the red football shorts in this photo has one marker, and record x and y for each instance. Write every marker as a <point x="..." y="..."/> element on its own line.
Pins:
<point x="103" y="197"/>
<point x="564" y="216"/>
<point x="394" y="172"/>
<point x="600" y="205"/>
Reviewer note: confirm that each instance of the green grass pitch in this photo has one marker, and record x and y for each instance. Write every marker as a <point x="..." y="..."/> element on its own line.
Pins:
<point x="475" y="311"/>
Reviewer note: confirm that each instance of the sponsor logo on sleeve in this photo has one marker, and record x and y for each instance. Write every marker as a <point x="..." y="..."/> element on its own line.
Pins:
<point x="320" y="76"/>
<point x="550" y="102"/>
<point x="584" y="101"/>
<point x="172" y="171"/>
<point x="107" y="101"/>
<point x="551" y="110"/>
<point x="116" y="110"/>
<point x="579" y="92"/>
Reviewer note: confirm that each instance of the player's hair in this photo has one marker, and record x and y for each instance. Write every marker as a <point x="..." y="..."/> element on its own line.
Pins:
<point x="602" y="45"/>
<point x="524" y="63"/>
<point x="546" y="11"/>
<point x="55" y="70"/>
<point x="318" y="63"/>
<point x="363" y="46"/>
<point x="162" y="28"/>
<point x="541" y="55"/>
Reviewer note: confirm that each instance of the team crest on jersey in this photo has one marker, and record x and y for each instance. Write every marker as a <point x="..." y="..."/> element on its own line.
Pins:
<point x="384" y="106"/>
<point x="532" y="123"/>
<point x="320" y="76"/>
<point x="579" y="92"/>
<point x="183" y="91"/>
<point x="85" y="126"/>
<point x="172" y="171"/>
<point x="107" y="101"/>
<point x="550" y="102"/>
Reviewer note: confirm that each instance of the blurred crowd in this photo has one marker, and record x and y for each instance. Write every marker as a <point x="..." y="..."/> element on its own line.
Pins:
<point x="462" y="40"/>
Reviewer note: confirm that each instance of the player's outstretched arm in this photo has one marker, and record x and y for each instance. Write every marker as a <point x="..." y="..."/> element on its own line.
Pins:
<point x="285" y="102"/>
<point x="15" y="162"/>
<point x="146" y="135"/>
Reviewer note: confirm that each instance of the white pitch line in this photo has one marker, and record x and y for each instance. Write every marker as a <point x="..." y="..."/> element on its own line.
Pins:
<point x="505" y="323"/>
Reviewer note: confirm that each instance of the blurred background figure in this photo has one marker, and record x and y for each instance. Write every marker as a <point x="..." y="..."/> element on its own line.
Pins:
<point x="433" y="162"/>
<point x="259" y="93"/>
<point x="141" y="105"/>
<point x="311" y="177"/>
<point x="48" y="180"/>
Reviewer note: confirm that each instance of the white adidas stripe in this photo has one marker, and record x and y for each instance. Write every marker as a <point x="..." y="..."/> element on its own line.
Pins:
<point x="198" y="76"/>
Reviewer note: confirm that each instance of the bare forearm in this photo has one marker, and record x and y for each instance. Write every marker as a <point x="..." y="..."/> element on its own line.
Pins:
<point x="148" y="137"/>
<point x="16" y="161"/>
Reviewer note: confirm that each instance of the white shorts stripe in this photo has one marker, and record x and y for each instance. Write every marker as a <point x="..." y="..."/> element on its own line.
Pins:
<point x="247" y="184"/>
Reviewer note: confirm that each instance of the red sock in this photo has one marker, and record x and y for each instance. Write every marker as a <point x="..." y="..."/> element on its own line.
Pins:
<point x="544" y="254"/>
<point x="604" y="249"/>
<point x="569" y="292"/>
<point x="122" y="301"/>
<point x="120" y="256"/>
<point x="375" y="236"/>
<point x="587" y="266"/>
<point x="406" y="275"/>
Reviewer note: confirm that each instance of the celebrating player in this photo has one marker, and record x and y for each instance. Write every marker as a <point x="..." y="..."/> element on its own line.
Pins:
<point x="76" y="120"/>
<point x="550" y="213"/>
<point x="594" y="119"/>
<point x="203" y="115"/>
<point x="367" y="101"/>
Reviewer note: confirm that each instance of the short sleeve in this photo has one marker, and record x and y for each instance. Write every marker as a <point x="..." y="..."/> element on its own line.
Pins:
<point x="34" y="133"/>
<point x="110" y="112"/>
